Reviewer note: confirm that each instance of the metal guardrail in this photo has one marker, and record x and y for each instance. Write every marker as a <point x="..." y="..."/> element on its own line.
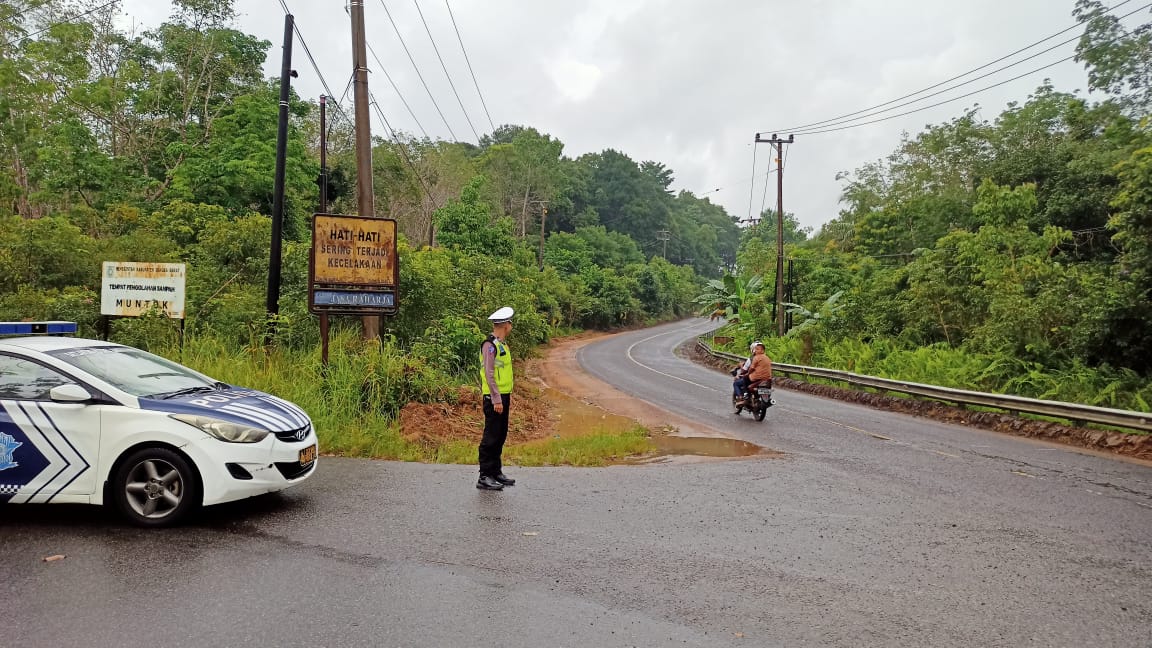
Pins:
<point x="1077" y="414"/>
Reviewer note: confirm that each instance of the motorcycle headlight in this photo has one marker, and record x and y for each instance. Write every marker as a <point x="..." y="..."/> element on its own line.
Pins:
<point x="223" y="430"/>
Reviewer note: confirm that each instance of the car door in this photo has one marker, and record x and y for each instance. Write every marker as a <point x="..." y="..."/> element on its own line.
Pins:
<point x="47" y="449"/>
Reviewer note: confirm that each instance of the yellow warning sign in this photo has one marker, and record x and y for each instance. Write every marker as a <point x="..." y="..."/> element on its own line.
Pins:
<point x="354" y="251"/>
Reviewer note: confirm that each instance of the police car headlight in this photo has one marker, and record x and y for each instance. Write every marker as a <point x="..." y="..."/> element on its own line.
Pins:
<point x="223" y="430"/>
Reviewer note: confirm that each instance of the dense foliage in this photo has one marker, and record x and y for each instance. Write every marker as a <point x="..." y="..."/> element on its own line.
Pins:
<point x="1015" y="251"/>
<point x="159" y="145"/>
<point x="1017" y="247"/>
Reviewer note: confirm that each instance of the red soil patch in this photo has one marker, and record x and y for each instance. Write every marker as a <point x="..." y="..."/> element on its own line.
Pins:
<point x="432" y="424"/>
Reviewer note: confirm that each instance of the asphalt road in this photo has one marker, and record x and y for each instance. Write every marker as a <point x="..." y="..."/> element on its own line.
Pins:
<point x="872" y="529"/>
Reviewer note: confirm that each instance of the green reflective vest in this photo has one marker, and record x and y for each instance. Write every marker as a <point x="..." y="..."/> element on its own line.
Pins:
<point x="503" y="367"/>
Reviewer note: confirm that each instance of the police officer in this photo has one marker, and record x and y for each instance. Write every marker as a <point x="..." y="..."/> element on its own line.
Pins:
<point x="496" y="381"/>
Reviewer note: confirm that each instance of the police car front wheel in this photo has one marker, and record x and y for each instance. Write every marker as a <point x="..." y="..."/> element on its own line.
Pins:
<point x="155" y="487"/>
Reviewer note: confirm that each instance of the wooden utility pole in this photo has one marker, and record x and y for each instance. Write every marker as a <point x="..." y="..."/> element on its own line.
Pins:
<point x="778" y="144"/>
<point x="364" y="198"/>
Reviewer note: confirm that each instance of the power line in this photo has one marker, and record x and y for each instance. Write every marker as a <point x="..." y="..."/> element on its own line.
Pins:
<point x="470" y="70"/>
<point x="380" y="113"/>
<point x="782" y="164"/>
<point x="398" y="93"/>
<point x="445" y="68"/>
<point x="940" y="103"/>
<point x="969" y="94"/>
<point x="61" y="22"/>
<point x="960" y="85"/>
<point x="315" y="67"/>
<point x="752" y="189"/>
<point x="730" y="183"/>
<point x="402" y="149"/>
<point x="27" y="9"/>
<point x="959" y="76"/>
<point x="417" y="68"/>
<point x="764" y="195"/>
<point x="347" y="88"/>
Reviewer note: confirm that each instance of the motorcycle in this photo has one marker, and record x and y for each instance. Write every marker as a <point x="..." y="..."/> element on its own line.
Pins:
<point x="757" y="401"/>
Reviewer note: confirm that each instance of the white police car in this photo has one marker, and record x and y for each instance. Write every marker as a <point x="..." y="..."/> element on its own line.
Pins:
<point x="86" y="421"/>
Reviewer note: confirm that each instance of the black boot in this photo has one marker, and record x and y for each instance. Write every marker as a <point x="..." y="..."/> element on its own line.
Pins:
<point x="504" y="479"/>
<point x="488" y="483"/>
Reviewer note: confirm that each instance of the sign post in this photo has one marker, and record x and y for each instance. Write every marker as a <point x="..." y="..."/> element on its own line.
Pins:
<point x="352" y="268"/>
<point x="134" y="288"/>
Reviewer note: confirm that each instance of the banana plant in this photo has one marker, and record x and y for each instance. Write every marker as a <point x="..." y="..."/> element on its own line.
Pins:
<point x="725" y="298"/>
<point x="811" y="320"/>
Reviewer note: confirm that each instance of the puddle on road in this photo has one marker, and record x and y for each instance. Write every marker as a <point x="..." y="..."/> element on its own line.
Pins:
<point x="705" y="446"/>
<point x="575" y="418"/>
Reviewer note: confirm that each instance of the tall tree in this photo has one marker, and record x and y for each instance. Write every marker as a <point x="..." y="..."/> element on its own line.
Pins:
<point x="625" y="198"/>
<point x="524" y="172"/>
<point x="1119" y="60"/>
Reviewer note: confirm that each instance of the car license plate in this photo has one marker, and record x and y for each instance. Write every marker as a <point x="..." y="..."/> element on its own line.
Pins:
<point x="308" y="455"/>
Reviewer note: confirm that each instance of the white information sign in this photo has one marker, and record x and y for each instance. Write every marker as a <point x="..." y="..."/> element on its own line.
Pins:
<point x="133" y="288"/>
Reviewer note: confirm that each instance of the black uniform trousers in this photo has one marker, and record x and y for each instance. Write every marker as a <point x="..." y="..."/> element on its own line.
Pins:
<point x="495" y="433"/>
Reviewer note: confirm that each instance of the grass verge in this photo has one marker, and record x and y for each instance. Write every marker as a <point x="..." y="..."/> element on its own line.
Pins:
<point x="355" y="405"/>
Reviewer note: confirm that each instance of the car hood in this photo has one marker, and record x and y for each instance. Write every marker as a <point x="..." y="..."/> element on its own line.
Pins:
<point x="236" y="405"/>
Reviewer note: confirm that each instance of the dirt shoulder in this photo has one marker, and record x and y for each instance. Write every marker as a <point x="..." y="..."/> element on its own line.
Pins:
<point x="554" y="399"/>
<point x="588" y="401"/>
<point x="559" y="370"/>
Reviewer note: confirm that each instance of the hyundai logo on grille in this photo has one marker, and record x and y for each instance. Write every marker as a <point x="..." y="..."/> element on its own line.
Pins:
<point x="301" y="433"/>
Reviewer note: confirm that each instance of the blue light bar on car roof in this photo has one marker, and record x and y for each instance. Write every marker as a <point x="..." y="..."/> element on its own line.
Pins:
<point x="37" y="328"/>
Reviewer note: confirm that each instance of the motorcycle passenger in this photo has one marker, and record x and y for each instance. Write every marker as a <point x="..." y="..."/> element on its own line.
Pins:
<point x="740" y="372"/>
<point x="760" y="369"/>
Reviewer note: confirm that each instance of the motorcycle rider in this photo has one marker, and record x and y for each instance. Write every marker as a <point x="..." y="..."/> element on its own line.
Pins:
<point x="739" y="373"/>
<point x="759" y="369"/>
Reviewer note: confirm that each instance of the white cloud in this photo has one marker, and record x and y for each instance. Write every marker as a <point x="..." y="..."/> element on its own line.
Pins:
<point x="574" y="79"/>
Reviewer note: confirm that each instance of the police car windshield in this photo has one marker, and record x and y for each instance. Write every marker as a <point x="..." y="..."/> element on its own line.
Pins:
<point x="136" y="372"/>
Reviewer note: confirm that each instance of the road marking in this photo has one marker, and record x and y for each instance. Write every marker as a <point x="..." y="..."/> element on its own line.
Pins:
<point x="633" y="359"/>
<point x="654" y="370"/>
<point x="1122" y="499"/>
<point x="843" y="425"/>
<point x="1023" y="474"/>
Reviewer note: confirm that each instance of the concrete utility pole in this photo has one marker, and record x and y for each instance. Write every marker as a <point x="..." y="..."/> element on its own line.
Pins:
<point x="364" y="197"/>
<point x="272" y="302"/>
<point x="778" y="144"/>
<point x="663" y="235"/>
<point x="543" y="217"/>
<point x="323" y="154"/>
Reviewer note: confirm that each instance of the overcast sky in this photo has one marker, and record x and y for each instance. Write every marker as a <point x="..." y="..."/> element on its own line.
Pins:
<point x="686" y="83"/>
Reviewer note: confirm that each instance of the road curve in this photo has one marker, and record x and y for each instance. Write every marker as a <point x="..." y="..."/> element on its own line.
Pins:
<point x="1015" y="540"/>
<point x="871" y="530"/>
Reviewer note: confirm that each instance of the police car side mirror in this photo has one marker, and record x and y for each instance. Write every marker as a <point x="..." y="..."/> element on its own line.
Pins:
<point x="70" y="393"/>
